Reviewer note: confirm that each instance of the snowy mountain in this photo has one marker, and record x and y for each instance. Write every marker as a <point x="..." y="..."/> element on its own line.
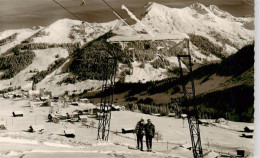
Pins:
<point x="198" y="19"/>
<point x="63" y="39"/>
<point x="221" y="29"/>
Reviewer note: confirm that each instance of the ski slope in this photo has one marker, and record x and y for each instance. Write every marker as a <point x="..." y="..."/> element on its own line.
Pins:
<point x="15" y="142"/>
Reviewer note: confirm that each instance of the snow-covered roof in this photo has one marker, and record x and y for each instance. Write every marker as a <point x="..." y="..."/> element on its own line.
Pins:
<point x="18" y="112"/>
<point x="83" y="117"/>
<point x="69" y="131"/>
<point x="34" y="92"/>
<point x="84" y="99"/>
<point x="147" y="37"/>
<point x="183" y="115"/>
<point x="37" y="127"/>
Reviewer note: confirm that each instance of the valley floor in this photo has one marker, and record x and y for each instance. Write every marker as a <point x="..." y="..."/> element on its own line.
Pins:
<point x="14" y="142"/>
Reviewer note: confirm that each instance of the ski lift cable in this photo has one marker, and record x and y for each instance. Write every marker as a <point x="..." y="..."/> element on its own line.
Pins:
<point x="72" y="13"/>
<point x="120" y="18"/>
<point x="118" y="15"/>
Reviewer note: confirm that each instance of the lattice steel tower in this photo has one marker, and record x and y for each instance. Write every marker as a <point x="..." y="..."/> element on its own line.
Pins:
<point x="189" y="93"/>
<point x="109" y="73"/>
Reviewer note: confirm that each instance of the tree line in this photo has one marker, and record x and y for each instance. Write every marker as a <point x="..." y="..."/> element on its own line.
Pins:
<point x="90" y="62"/>
<point x="149" y="109"/>
<point x="39" y="76"/>
<point x="206" y="46"/>
<point x="34" y="46"/>
<point x="8" y="39"/>
<point x="15" y="63"/>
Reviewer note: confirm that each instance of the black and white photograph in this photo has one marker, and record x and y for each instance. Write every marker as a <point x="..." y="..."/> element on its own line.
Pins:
<point x="128" y="78"/>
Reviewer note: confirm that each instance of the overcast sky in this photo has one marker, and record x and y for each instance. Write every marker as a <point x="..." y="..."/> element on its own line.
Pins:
<point x="27" y="13"/>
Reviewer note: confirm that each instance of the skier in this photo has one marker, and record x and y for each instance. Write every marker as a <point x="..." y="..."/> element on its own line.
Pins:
<point x="149" y="134"/>
<point x="140" y="131"/>
<point x="50" y="118"/>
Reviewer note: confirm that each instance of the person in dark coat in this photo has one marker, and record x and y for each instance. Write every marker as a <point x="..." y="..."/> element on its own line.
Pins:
<point x="140" y="131"/>
<point x="149" y="134"/>
<point x="50" y="118"/>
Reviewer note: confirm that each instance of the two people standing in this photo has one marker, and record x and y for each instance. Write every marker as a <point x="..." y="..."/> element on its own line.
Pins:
<point x="148" y="130"/>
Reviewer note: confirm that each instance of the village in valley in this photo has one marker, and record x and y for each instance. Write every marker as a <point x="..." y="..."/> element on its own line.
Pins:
<point x="41" y="122"/>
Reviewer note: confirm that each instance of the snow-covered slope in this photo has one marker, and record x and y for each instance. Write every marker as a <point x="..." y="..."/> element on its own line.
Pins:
<point x="221" y="28"/>
<point x="221" y="138"/>
<point x="22" y="35"/>
<point x="72" y="31"/>
<point x="43" y="58"/>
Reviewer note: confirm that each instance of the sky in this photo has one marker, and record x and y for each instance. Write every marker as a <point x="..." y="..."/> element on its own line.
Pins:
<point x="28" y="13"/>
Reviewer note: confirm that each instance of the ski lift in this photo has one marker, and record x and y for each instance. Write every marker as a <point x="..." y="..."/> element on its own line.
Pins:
<point x="83" y="3"/>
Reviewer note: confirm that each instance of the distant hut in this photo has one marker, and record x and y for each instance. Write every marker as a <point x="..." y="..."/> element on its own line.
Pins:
<point x="17" y="114"/>
<point x="2" y="125"/>
<point x="36" y="128"/>
<point x="55" y="98"/>
<point x="183" y="116"/>
<point x="240" y="153"/>
<point x="127" y="130"/>
<point x="158" y="115"/>
<point x="116" y="108"/>
<point x="34" y="93"/>
<point x="249" y="129"/>
<point x="84" y="100"/>
<point x="53" y="118"/>
<point x="70" y="133"/>
<point x="247" y="135"/>
<point x="221" y="121"/>
<point x="203" y="122"/>
<point x="44" y="98"/>
<point x="83" y="118"/>
<point x="75" y="103"/>
<point x="171" y="115"/>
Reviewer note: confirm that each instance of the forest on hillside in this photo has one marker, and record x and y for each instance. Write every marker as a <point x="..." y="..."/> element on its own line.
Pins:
<point x="13" y="64"/>
<point x="233" y="103"/>
<point x="90" y="62"/>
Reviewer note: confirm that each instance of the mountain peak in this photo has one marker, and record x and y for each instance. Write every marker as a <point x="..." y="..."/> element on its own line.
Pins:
<point x="152" y="6"/>
<point x="200" y="8"/>
<point x="220" y="13"/>
<point x="155" y="9"/>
